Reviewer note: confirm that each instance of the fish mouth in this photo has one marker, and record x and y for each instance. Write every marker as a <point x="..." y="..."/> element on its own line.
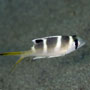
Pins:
<point x="82" y="42"/>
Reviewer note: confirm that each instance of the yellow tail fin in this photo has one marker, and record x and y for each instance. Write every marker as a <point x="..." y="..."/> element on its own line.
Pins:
<point x="22" y="55"/>
<point x="11" y="53"/>
<point x="18" y="61"/>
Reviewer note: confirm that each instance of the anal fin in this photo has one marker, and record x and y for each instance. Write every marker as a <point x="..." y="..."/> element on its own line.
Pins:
<point x="37" y="58"/>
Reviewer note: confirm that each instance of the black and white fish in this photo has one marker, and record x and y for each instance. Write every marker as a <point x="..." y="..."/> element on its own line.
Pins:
<point x="49" y="47"/>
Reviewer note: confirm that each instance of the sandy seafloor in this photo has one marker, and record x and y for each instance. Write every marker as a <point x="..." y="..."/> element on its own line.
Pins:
<point x="23" y="20"/>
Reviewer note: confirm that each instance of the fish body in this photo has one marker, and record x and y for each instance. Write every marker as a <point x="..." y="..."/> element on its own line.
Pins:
<point x="49" y="47"/>
<point x="54" y="46"/>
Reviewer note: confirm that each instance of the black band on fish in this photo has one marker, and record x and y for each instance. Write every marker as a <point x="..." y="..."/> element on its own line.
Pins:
<point x="76" y="41"/>
<point x="51" y="42"/>
<point x="39" y="41"/>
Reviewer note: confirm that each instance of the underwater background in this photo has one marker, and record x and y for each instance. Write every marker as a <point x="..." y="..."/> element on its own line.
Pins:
<point x="24" y="20"/>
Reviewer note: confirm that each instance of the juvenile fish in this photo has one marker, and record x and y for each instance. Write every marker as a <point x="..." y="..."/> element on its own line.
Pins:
<point x="49" y="47"/>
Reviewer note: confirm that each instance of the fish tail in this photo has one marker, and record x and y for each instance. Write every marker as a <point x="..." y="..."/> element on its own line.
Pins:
<point x="11" y="53"/>
<point x="22" y="54"/>
<point x="14" y="66"/>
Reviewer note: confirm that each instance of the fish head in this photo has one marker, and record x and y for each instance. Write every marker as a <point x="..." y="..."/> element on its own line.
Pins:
<point x="75" y="43"/>
<point x="81" y="42"/>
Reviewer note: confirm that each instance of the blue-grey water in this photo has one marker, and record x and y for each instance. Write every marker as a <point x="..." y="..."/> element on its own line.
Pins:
<point x="23" y="20"/>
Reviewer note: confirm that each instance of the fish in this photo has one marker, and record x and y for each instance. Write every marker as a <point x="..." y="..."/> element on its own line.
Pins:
<point x="49" y="47"/>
